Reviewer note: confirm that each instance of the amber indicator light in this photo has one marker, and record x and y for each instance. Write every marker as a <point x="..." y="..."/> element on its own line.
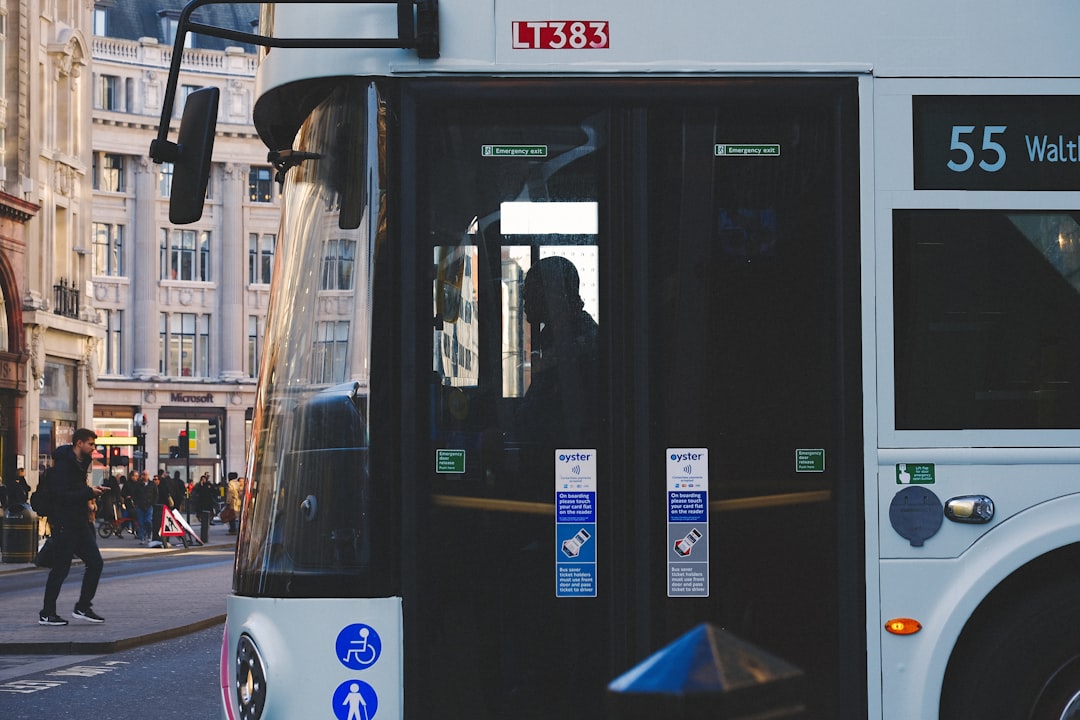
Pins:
<point x="903" y="626"/>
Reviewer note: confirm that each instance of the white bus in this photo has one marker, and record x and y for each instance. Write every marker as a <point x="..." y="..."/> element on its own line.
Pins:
<point x="595" y="322"/>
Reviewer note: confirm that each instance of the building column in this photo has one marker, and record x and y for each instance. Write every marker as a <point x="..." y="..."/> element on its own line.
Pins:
<point x="235" y="425"/>
<point x="35" y="341"/>
<point x="233" y="279"/>
<point x="144" y="281"/>
<point x="151" y="440"/>
<point x="86" y="380"/>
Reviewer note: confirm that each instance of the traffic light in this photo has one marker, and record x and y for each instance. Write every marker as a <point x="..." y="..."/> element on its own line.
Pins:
<point x="182" y="446"/>
<point x="116" y="457"/>
<point x="215" y="427"/>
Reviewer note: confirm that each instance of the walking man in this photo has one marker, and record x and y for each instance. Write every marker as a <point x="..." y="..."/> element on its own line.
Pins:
<point x="72" y="533"/>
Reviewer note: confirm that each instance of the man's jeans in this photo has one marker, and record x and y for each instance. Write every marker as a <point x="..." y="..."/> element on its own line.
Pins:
<point x="76" y="539"/>
<point x="146" y="521"/>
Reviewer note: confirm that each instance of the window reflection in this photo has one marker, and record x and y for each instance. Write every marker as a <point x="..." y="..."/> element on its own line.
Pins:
<point x="457" y="346"/>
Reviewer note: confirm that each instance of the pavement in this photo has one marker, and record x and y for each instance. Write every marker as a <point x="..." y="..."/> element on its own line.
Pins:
<point x="140" y="608"/>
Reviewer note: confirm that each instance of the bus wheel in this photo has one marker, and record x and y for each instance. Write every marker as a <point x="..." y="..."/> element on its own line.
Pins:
<point x="1060" y="697"/>
<point x="1020" y="661"/>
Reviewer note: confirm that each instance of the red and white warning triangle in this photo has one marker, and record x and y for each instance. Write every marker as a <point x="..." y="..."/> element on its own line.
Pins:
<point x="171" y="525"/>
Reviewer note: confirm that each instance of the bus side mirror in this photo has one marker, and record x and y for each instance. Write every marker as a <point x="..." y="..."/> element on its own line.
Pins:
<point x="195" y="145"/>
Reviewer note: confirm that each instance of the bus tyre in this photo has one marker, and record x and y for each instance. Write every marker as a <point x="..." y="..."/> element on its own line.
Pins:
<point x="1021" y="661"/>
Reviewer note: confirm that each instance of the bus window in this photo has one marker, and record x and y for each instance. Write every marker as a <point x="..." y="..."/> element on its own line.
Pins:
<point x="986" y="302"/>
<point x="309" y="528"/>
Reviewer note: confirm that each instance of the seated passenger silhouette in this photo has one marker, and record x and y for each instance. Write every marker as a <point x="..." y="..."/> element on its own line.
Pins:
<point x="560" y="406"/>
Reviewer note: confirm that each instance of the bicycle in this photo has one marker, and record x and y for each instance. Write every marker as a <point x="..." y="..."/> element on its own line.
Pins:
<point x="108" y="527"/>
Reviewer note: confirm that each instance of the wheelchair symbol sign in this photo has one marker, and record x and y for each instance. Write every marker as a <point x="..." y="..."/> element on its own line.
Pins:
<point x="358" y="646"/>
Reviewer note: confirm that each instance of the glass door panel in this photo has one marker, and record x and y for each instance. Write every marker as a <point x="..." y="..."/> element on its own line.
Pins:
<point x="511" y="204"/>
<point x="754" y="360"/>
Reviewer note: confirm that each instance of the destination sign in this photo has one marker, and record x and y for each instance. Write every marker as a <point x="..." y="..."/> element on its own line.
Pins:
<point x="1010" y="142"/>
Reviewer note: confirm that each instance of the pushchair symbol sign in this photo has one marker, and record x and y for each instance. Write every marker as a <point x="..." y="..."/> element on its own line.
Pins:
<point x="358" y="646"/>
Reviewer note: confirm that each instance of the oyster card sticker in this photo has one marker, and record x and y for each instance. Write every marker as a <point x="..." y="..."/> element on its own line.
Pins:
<point x="575" y="523"/>
<point x="688" y="522"/>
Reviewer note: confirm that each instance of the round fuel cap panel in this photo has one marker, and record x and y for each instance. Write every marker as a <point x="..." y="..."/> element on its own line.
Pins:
<point x="916" y="514"/>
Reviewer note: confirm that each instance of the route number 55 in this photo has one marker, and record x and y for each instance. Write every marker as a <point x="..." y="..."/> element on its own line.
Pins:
<point x="990" y="147"/>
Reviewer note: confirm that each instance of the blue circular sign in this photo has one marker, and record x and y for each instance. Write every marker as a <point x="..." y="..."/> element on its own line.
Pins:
<point x="355" y="700"/>
<point x="358" y="646"/>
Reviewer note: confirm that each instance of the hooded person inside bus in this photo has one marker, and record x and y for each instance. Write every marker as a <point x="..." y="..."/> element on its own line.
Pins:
<point x="560" y="406"/>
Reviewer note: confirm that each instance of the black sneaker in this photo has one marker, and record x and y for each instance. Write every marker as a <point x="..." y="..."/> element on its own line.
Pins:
<point x="51" y="620"/>
<point x="87" y="615"/>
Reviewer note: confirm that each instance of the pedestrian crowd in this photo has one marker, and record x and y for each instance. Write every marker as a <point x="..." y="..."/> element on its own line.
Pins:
<point x="133" y="503"/>
<point x="134" y="497"/>
<point x="127" y="501"/>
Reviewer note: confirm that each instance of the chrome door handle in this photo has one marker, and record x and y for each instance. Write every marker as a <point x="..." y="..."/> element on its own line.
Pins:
<point x="970" y="509"/>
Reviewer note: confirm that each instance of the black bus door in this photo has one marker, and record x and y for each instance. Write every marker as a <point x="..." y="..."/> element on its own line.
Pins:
<point x="637" y="393"/>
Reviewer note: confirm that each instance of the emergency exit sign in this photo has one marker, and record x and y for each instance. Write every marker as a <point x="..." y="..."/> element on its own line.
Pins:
<point x="746" y="150"/>
<point x="514" y="150"/>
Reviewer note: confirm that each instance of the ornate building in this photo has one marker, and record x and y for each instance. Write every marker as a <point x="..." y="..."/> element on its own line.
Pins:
<point x="50" y="331"/>
<point x="182" y="307"/>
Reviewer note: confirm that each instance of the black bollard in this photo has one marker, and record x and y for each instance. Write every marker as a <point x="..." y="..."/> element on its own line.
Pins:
<point x="204" y="529"/>
<point x="709" y="673"/>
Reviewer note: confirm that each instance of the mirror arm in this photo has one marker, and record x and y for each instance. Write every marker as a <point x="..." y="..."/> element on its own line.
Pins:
<point x="162" y="151"/>
<point x="283" y="160"/>
<point x="417" y="28"/>
<point x="420" y="33"/>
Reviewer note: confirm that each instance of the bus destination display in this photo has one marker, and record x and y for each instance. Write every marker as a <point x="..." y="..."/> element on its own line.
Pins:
<point x="1007" y="142"/>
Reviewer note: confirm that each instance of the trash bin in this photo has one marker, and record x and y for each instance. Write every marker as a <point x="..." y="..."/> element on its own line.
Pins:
<point x="709" y="674"/>
<point x="19" y="540"/>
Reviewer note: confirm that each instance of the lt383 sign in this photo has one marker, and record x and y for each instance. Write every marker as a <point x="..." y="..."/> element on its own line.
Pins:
<point x="561" y="35"/>
<point x="1011" y="142"/>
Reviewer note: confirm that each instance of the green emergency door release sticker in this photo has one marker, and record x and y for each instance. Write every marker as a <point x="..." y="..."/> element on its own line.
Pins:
<point x="449" y="461"/>
<point x="810" y="460"/>
<point x="915" y="474"/>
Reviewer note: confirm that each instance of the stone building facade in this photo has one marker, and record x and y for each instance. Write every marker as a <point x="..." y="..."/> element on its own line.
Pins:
<point x="181" y="307"/>
<point x="50" y="331"/>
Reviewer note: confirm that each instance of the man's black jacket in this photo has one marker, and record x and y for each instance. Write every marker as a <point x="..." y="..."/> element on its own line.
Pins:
<point x="67" y="484"/>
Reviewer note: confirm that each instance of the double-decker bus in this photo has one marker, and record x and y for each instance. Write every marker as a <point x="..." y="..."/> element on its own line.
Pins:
<point x="595" y="322"/>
